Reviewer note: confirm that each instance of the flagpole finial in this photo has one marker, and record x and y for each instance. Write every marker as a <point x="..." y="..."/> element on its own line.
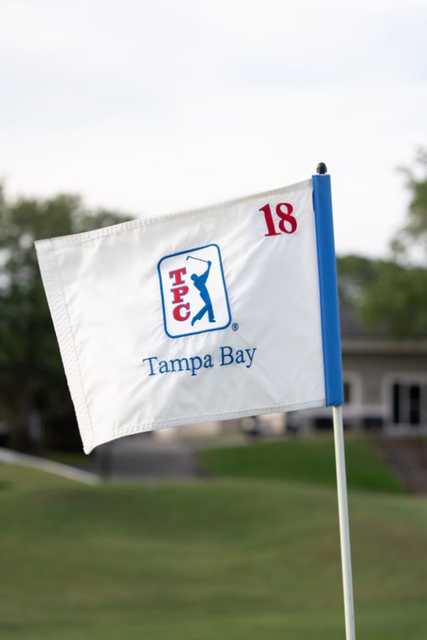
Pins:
<point x="322" y="168"/>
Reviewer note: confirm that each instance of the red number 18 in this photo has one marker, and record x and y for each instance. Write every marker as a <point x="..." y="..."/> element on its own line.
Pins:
<point x="287" y="222"/>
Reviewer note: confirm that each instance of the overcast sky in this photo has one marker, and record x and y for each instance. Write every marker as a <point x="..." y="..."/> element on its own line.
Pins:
<point x="157" y="106"/>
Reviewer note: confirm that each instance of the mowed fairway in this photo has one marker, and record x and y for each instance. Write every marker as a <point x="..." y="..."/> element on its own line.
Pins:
<point x="235" y="559"/>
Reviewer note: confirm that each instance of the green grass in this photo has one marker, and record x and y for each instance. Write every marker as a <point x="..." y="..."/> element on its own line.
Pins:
<point x="232" y="559"/>
<point x="302" y="460"/>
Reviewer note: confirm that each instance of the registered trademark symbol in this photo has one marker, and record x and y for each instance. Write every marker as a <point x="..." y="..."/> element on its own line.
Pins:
<point x="235" y="326"/>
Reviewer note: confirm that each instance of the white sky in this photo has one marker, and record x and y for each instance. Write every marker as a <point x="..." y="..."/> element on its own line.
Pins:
<point x="157" y="106"/>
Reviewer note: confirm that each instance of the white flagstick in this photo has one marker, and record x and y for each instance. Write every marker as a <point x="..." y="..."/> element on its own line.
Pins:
<point x="347" y="578"/>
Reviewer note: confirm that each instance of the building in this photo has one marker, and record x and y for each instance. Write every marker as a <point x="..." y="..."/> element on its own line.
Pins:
<point x="385" y="387"/>
<point x="385" y="383"/>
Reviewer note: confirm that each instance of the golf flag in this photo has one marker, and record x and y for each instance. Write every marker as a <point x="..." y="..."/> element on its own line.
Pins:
<point x="210" y="314"/>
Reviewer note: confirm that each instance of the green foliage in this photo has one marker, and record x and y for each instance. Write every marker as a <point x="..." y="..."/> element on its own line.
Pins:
<point x="235" y="559"/>
<point x="32" y="381"/>
<point x="385" y="297"/>
<point x="414" y="230"/>
<point x="389" y="296"/>
<point x="355" y="274"/>
<point x="309" y="461"/>
<point x="396" y="301"/>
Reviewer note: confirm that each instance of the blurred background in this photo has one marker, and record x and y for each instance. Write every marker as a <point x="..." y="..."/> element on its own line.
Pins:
<point x="113" y="111"/>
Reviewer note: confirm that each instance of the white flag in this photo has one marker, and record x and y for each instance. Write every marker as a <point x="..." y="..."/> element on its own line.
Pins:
<point x="210" y="314"/>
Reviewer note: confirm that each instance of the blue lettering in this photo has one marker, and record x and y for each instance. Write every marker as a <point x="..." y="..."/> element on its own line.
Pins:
<point x="226" y="356"/>
<point x="207" y="361"/>
<point x="152" y="372"/>
<point x="251" y="354"/>
<point x="163" y="366"/>
<point x="193" y="364"/>
<point x="240" y="356"/>
<point x="178" y="364"/>
<point x="196" y="364"/>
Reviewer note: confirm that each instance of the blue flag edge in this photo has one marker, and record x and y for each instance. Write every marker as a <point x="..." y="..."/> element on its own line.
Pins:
<point x="329" y="307"/>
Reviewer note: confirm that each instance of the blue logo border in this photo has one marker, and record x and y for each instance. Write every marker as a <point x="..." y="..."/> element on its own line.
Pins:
<point x="178" y="253"/>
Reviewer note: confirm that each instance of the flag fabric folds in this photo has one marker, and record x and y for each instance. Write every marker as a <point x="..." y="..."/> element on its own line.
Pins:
<point x="210" y="314"/>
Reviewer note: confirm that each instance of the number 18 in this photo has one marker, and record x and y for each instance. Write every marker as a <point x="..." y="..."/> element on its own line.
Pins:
<point x="287" y="222"/>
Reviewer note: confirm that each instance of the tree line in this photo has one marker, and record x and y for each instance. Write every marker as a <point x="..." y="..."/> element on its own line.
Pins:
<point x="389" y="295"/>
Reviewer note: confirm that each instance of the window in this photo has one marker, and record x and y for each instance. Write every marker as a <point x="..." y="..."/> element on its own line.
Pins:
<point x="352" y="388"/>
<point x="347" y="392"/>
<point x="409" y="403"/>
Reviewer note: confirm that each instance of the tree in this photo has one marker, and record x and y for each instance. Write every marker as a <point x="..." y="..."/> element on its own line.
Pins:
<point x="32" y="380"/>
<point x="414" y="231"/>
<point x="392" y="297"/>
<point x="355" y="274"/>
<point x="395" y="301"/>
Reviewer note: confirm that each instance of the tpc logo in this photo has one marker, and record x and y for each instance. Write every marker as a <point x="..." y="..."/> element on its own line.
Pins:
<point x="194" y="295"/>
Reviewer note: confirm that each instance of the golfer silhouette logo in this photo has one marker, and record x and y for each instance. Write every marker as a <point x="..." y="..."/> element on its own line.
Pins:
<point x="199" y="282"/>
<point x="193" y="292"/>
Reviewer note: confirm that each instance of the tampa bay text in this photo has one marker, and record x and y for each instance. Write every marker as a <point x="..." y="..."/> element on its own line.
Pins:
<point x="227" y="356"/>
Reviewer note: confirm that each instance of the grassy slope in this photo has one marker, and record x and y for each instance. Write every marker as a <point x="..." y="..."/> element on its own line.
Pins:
<point x="308" y="461"/>
<point x="229" y="559"/>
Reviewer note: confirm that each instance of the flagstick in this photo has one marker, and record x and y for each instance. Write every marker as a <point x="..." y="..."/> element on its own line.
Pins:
<point x="347" y="579"/>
